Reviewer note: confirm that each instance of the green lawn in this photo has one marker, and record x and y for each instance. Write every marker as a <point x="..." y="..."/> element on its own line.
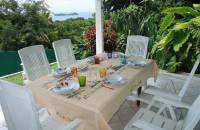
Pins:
<point x="18" y="79"/>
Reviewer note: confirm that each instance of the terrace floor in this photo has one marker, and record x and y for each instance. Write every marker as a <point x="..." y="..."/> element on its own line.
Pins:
<point x="124" y="115"/>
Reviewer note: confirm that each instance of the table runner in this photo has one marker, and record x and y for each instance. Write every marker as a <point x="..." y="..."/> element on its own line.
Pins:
<point x="95" y="106"/>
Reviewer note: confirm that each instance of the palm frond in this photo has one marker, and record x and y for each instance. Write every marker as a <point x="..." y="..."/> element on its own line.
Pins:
<point x="180" y="39"/>
<point x="181" y="11"/>
<point x="173" y="64"/>
<point x="166" y="22"/>
<point x="159" y="46"/>
<point x="185" y="54"/>
<point x="181" y="26"/>
<point x="195" y="34"/>
<point x="196" y="6"/>
<point x="195" y="21"/>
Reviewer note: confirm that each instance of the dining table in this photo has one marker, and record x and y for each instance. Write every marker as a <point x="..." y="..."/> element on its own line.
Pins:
<point x="97" y="102"/>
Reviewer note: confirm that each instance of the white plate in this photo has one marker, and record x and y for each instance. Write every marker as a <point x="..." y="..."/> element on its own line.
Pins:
<point x="59" y="72"/>
<point x="137" y="63"/>
<point x="72" y="87"/>
<point x="57" y="75"/>
<point x="115" y="79"/>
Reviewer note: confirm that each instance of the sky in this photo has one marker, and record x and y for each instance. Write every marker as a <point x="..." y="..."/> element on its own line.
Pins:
<point x="68" y="6"/>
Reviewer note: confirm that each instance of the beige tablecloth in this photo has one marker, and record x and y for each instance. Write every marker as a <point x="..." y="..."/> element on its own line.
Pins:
<point x="95" y="106"/>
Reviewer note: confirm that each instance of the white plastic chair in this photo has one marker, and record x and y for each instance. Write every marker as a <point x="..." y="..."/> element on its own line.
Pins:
<point x="2" y="120"/>
<point x="137" y="46"/>
<point x="64" y="53"/>
<point x="159" y="92"/>
<point x="145" y="119"/>
<point x="149" y="92"/>
<point x="35" y="63"/>
<point x="20" y="112"/>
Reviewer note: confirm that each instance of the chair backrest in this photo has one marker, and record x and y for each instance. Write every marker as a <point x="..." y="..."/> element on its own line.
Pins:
<point x="18" y="107"/>
<point x="189" y="78"/>
<point x="64" y="53"/>
<point x="170" y="82"/>
<point x="35" y="63"/>
<point x="193" y="115"/>
<point x="137" y="46"/>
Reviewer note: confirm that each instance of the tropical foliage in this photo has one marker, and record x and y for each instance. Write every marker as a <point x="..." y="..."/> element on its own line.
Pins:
<point x="140" y="17"/>
<point x="144" y="17"/>
<point x="179" y="42"/>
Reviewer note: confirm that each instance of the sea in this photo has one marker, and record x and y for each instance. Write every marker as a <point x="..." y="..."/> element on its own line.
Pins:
<point x="84" y="15"/>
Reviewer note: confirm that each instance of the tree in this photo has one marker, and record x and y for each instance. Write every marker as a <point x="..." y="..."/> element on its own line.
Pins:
<point x="24" y="25"/>
<point x="113" y="5"/>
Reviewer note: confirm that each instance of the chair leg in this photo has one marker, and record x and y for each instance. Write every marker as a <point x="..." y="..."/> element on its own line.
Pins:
<point x="172" y="113"/>
<point x="162" y="110"/>
<point x="150" y="105"/>
<point x="139" y="91"/>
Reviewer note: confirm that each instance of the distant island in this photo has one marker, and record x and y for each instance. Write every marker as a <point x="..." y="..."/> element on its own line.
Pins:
<point x="64" y="14"/>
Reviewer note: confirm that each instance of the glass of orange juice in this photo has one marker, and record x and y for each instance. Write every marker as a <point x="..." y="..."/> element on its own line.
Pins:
<point x="74" y="71"/>
<point x="102" y="72"/>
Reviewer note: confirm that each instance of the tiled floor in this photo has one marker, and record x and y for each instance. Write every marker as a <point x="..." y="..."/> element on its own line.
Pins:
<point x="126" y="111"/>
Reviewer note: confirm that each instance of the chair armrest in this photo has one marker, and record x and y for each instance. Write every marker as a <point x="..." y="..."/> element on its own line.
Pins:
<point x="145" y="125"/>
<point x="171" y="102"/>
<point x="161" y="93"/>
<point x="73" y="125"/>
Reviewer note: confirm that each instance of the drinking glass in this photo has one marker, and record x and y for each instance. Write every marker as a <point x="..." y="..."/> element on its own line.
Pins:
<point x="102" y="72"/>
<point x="82" y="80"/>
<point x="123" y="59"/>
<point x="74" y="71"/>
<point x="93" y="74"/>
<point x="109" y="54"/>
<point x="96" y="60"/>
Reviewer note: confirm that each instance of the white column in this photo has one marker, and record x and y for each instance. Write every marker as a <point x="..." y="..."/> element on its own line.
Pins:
<point x="99" y="27"/>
